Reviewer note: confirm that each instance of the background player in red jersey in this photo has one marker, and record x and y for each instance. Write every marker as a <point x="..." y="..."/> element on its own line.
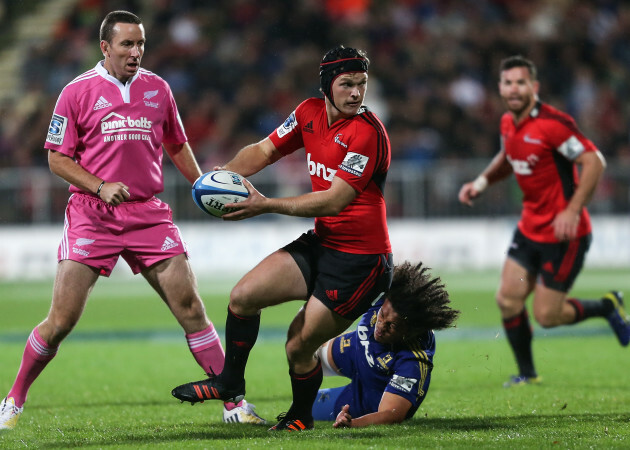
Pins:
<point x="542" y="147"/>
<point x="341" y="266"/>
<point x="113" y="210"/>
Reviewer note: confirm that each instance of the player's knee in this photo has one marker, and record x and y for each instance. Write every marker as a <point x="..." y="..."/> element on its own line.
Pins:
<point x="188" y="304"/>
<point x="546" y="319"/>
<point x="300" y="351"/>
<point x="295" y="349"/>
<point x="55" y="330"/>
<point x="508" y="306"/>
<point x="503" y="303"/>
<point x="241" y="300"/>
<point x="196" y="309"/>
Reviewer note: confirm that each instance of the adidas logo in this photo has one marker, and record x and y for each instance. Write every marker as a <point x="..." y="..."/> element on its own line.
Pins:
<point x="308" y="127"/>
<point x="548" y="267"/>
<point x="332" y="294"/>
<point x="168" y="244"/>
<point x="101" y="103"/>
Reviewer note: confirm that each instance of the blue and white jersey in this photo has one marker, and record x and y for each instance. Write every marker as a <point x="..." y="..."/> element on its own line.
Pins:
<point x="376" y="368"/>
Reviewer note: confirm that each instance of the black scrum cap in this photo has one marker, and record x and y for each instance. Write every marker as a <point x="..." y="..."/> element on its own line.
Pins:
<point x="337" y="61"/>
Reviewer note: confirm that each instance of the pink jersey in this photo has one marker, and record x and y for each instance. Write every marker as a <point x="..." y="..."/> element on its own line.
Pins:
<point x="542" y="150"/>
<point x="115" y="131"/>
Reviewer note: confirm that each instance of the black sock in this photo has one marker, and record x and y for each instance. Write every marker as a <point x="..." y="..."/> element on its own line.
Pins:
<point x="519" y="334"/>
<point x="585" y="309"/>
<point x="241" y="333"/>
<point x="305" y="387"/>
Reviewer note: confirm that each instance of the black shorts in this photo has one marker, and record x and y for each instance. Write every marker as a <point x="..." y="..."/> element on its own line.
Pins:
<point x="557" y="265"/>
<point x="346" y="283"/>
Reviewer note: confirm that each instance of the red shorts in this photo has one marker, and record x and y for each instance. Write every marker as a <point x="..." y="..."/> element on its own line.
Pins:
<point x="96" y="234"/>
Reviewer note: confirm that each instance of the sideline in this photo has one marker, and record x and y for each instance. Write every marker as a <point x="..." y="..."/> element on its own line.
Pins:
<point x="278" y="334"/>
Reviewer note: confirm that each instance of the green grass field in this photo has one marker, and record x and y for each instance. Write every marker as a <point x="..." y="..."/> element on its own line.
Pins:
<point x="109" y="386"/>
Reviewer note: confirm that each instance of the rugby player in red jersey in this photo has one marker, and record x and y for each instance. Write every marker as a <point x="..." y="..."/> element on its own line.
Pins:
<point x="543" y="148"/>
<point x="342" y="265"/>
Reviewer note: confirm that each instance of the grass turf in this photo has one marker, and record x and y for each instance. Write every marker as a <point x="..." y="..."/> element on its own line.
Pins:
<point x="109" y="387"/>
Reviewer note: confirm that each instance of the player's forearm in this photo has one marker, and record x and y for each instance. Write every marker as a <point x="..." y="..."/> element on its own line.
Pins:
<point x="592" y="169"/>
<point x="185" y="161"/>
<point x="498" y="169"/>
<point x="253" y="158"/>
<point x="378" y="418"/>
<point x="312" y="204"/>
<point x="66" y="168"/>
<point x="316" y="204"/>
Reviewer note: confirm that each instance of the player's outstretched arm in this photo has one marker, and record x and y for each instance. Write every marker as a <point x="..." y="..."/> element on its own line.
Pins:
<point x="313" y="204"/>
<point x="253" y="158"/>
<point x="392" y="409"/>
<point x="184" y="159"/>
<point x="498" y="169"/>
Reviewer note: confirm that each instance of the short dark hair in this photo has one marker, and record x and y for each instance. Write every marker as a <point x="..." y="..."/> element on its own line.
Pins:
<point x="519" y="61"/>
<point x="114" y="17"/>
<point x="420" y="300"/>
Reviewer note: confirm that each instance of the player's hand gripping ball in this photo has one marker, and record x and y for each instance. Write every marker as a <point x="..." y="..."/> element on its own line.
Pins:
<point x="213" y="190"/>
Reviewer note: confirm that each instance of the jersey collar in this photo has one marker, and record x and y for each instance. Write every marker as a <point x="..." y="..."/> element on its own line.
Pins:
<point x="124" y="88"/>
<point x="535" y="110"/>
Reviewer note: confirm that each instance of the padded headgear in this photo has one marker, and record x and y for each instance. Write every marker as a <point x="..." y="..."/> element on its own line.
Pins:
<point x="337" y="61"/>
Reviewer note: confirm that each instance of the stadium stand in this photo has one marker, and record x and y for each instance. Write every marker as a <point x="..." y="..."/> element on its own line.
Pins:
<point x="237" y="69"/>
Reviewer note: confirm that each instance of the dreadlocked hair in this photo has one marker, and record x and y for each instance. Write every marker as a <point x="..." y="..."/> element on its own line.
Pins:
<point x="420" y="300"/>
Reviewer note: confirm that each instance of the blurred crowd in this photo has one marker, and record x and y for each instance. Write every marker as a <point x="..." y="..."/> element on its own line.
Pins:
<point x="239" y="67"/>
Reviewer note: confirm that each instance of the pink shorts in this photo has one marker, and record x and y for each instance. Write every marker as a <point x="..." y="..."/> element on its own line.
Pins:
<point x="96" y="234"/>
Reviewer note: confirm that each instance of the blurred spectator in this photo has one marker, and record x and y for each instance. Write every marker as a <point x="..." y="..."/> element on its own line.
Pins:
<point x="237" y="66"/>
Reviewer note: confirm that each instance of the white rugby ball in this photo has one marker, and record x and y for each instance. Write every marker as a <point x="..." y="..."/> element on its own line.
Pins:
<point x="213" y="190"/>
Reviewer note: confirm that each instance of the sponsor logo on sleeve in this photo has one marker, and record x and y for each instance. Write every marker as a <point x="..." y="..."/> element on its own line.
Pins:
<point x="287" y="126"/>
<point x="354" y="163"/>
<point x="57" y="129"/>
<point x="571" y="148"/>
<point x="402" y="383"/>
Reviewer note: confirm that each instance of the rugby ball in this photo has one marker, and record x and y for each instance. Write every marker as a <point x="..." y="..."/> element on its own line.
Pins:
<point x="213" y="190"/>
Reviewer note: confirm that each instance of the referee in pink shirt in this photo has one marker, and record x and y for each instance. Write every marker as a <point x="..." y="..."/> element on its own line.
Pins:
<point x="106" y="138"/>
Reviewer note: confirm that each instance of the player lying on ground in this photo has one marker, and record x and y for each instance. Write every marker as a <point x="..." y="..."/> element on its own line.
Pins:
<point x="389" y="356"/>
